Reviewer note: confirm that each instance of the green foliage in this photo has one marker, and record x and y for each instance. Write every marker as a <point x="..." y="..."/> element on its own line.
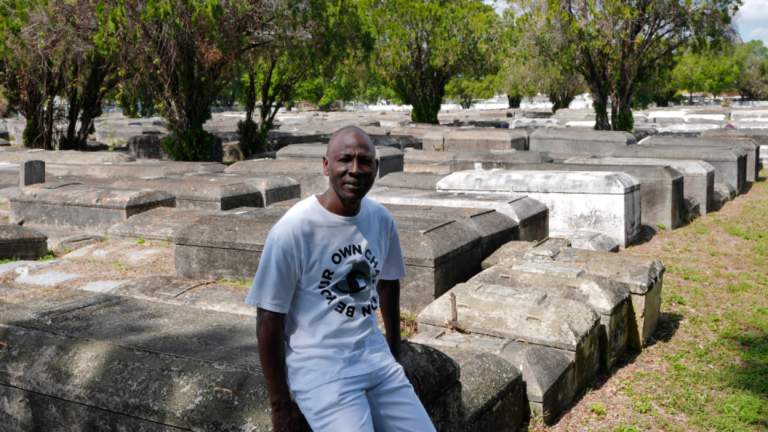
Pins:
<point x="185" y="53"/>
<point x="616" y="45"/>
<point x="193" y="144"/>
<point x="423" y="45"/>
<point x="251" y="141"/>
<point x="752" y="80"/>
<point x="708" y="71"/>
<point x="141" y="240"/>
<point x="465" y="90"/>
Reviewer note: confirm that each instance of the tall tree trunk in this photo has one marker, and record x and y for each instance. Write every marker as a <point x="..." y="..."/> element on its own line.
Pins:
<point x="600" y="102"/>
<point x="514" y="101"/>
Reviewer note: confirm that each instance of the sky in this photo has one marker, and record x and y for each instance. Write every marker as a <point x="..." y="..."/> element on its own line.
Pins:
<point x="753" y="20"/>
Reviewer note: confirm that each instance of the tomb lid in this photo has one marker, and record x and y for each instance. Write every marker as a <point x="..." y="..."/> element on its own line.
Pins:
<point x="576" y="134"/>
<point x="501" y="156"/>
<point x="542" y="367"/>
<point x="68" y="157"/>
<point x="637" y="275"/>
<point x="194" y="189"/>
<point x="744" y="142"/>
<point x="159" y="224"/>
<point x="429" y="243"/>
<point x="603" y="294"/>
<point x="693" y="168"/>
<point x="608" y="183"/>
<point x="411" y="180"/>
<point x="14" y="234"/>
<point x="645" y="174"/>
<point x="520" y="208"/>
<point x="505" y="312"/>
<point x="491" y="224"/>
<point x="261" y="182"/>
<point x="709" y="154"/>
<point x="317" y="151"/>
<point x="243" y="231"/>
<point x="79" y="195"/>
<point x="481" y="135"/>
<point x="148" y="168"/>
<point x="269" y="167"/>
<point x="428" y="156"/>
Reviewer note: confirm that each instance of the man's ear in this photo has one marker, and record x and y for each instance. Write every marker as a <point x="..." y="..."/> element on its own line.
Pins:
<point x="325" y="166"/>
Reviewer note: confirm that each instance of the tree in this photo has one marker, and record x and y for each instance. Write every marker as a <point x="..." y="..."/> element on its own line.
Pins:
<point x="312" y="40"/>
<point x="705" y="72"/>
<point x="617" y="44"/>
<point x="185" y="52"/>
<point x="466" y="90"/>
<point x="423" y="44"/>
<point x="34" y="52"/>
<point x="752" y="81"/>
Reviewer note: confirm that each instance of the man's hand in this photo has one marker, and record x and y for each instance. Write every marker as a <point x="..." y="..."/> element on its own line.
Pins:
<point x="286" y="417"/>
<point x="412" y="377"/>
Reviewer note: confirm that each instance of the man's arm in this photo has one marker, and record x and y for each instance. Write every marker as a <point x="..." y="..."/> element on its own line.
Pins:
<point x="270" y="331"/>
<point x="389" y="296"/>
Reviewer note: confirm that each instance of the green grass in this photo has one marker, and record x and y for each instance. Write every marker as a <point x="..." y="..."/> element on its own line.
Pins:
<point x="716" y="367"/>
<point x="231" y="282"/>
<point x="141" y="240"/>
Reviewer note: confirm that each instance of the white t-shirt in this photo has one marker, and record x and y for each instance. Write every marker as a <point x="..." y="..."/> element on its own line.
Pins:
<point x="321" y="269"/>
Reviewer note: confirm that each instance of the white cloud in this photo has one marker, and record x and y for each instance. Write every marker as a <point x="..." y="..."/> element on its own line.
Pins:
<point x="753" y="13"/>
<point x="758" y="33"/>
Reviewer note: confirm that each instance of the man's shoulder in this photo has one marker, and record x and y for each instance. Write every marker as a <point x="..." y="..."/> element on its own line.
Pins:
<point x="296" y="215"/>
<point x="376" y="209"/>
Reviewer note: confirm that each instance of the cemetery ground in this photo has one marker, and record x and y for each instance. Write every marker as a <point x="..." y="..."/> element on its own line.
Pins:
<point x="706" y="367"/>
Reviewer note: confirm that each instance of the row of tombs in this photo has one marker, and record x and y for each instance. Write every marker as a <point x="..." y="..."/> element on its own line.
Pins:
<point x="514" y="247"/>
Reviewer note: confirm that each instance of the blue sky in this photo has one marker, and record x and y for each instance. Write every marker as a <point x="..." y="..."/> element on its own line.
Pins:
<point x="753" y="20"/>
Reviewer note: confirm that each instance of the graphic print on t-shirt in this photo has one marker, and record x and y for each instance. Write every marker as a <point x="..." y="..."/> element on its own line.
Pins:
<point x="356" y="273"/>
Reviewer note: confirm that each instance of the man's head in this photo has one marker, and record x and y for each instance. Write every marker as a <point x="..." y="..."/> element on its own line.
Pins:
<point x="350" y="163"/>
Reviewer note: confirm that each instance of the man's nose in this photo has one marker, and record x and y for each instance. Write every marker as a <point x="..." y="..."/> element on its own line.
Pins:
<point x="355" y="168"/>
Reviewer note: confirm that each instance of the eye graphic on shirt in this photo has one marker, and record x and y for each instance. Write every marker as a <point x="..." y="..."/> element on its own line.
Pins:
<point x="357" y="283"/>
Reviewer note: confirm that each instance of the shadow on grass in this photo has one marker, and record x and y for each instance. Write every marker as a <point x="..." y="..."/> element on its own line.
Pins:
<point x="747" y="374"/>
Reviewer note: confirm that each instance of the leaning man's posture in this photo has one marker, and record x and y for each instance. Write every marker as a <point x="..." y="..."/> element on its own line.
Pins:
<point x="328" y="265"/>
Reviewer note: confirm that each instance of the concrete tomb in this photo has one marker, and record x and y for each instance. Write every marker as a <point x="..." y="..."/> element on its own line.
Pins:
<point x="661" y="188"/>
<point x="747" y="144"/>
<point x="579" y="141"/>
<point x="63" y="241"/>
<point x="759" y="135"/>
<point x="428" y="161"/>
<point x="31" y="172"/>
<point x="145" y="168"/>
<point x="390" y="159"/>
<point x="83" y="359"/>
<point x="412" y="180"/>
<point x="534" y="317"/>
<point x="201" y="193"/>
<point x="698" y="176"/>
<point x="158" y="225"/>
<point x="603" y="295"/>
<point x="90" y="209"/>
<point x="730" y="164"/>
<point x="547" y="372"/>
<point x="490" y="159"/>
<point x="643" y="278"/>
<point x="607" y="203"/>
<point x="22" y="243"/>
<point x="484" y="140"/>
<point x="531" y="215"/>
<point x="273" y="189"/>
<point x="66" y="157"/>
<point x="224" y="246"/>
<point x="588" y="240"/>
<point x="309" y="173"/>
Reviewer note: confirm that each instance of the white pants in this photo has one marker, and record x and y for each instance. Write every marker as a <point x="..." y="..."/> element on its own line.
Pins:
<point x="381" y="401"/>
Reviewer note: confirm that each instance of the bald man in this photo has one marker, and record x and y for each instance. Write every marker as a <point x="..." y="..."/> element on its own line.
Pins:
<point x="316" y="319"/>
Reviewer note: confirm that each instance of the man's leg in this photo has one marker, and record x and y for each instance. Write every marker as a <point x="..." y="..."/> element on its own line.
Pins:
<point x="338" y="406"/>
<point x="394" y="405"/>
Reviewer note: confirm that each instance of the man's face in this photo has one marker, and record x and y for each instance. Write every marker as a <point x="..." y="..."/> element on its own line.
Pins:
<point x="351" y="166"/>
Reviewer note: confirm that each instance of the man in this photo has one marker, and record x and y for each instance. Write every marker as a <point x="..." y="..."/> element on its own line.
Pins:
<point x="316" y="302"/>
